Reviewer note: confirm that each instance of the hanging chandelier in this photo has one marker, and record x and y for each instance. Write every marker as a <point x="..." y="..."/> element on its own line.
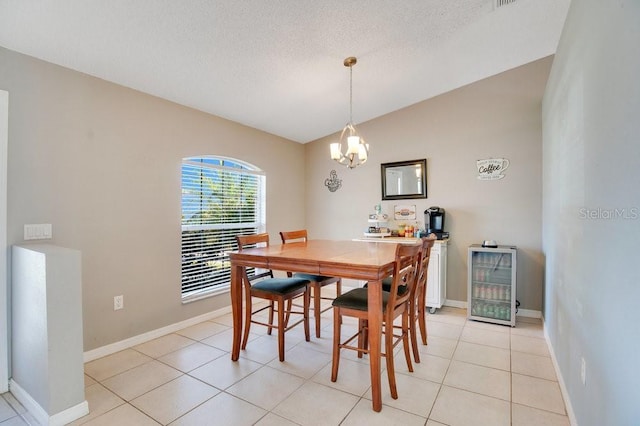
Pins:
<point x="357" y="149"/>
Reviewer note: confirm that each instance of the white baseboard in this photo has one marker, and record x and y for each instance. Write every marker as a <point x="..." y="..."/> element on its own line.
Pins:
<point x="455" y="303"/>
<point x="529" y="313"/>
<point x="563" y="388"/>
<point x="153" y="334"/>
<point x="70" y="414"/>
<point x="59" y="419"/>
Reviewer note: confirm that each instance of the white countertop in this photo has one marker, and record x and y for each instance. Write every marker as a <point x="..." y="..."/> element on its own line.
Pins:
<point x="396" y="240"/>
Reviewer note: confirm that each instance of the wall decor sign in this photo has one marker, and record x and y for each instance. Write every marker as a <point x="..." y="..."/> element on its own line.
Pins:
<point x="492" y="168"/>
<point x="332" y="182"/>
<point x="404" y="212"/>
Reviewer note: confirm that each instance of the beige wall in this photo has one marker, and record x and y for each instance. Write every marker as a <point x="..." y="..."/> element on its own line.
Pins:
<point x="102" y="164"/>
<point x="497" y="117"/>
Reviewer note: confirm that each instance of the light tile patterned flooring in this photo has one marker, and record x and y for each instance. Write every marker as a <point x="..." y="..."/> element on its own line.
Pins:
<point x="471" y="373"/>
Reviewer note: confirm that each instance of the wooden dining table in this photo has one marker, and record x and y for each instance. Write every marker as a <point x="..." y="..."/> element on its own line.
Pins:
<point x="368" y="261"/>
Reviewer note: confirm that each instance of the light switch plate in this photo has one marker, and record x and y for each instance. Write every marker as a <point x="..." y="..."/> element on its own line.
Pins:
<point x="41" y="231"/>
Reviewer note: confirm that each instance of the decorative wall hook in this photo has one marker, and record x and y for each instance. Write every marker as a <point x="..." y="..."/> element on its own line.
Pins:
<point x="332" y="182"/>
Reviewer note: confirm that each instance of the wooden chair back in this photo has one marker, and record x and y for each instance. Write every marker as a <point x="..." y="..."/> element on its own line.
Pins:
<point x="252" y="240"/>
<point x="247" y="241"/>
<point x="404" y="273"/>
<point x="425" y="255"/>
<point x="293" y="236"/>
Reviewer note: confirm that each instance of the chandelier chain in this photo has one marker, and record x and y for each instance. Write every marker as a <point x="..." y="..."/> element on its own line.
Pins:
<point x="350" y="94"/>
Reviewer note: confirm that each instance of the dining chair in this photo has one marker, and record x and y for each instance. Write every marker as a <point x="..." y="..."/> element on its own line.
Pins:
<point x="354" y="303"/>
<point x="317" y="281"/>
<point x="419" y="297"/>
<point x="418" y="301"/>
<point x="263" y="285"/>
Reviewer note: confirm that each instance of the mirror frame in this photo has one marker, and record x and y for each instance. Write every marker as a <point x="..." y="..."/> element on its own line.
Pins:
<point x="383" y="174"/>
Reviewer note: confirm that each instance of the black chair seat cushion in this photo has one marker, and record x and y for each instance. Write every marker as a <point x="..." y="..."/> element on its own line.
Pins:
<point x="280" y="285"/>
<point x="386" y="286"/>
<point x="357" y="299"/>
<point x="310" y="277"/>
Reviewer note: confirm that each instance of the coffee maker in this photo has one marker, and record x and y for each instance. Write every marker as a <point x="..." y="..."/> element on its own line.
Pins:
<point x="434" y="222"/>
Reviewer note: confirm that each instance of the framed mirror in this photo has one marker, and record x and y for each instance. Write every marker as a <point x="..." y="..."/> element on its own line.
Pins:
<point x="404" y="179"/>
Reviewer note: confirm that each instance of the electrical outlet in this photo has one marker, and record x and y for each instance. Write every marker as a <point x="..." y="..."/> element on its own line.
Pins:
<point x="583" y="371"/>
<point x="118" y="303"/>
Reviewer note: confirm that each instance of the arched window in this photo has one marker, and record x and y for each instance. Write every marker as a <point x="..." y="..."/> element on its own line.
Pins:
<point x="221" y="198"/>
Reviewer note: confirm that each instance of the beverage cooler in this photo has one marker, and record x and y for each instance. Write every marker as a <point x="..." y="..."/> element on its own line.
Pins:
<point x="491" y="290"/>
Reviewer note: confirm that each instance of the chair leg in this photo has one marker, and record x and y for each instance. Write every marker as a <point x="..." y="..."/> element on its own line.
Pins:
<point x="335" y="359"/>
<point x="422" y="314"/>
<point x="388" y="350"/>
<point x="281" y="328"/>
<point x="339" y="290"/>
<point x="271" y="317"/>
<point x="288" y="312"/>
<point x="363" y="326"/>
<point x="316" y="306"/>
<point x="413" y="332"/>
<point x="247" y="320"/>
<point x="305" y="312"/>
<point x="406" y="331"/>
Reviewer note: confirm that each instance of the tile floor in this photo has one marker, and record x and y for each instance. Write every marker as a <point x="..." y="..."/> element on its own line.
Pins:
<point x="471" y="373"/>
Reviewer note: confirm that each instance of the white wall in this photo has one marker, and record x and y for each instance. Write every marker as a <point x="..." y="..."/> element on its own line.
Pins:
<point x="47" y="363"/>
<point x="4" y="293"/>
<point x="592" y="209"/>
<point x="101" y="163"/>
<point x="497" y="117"/>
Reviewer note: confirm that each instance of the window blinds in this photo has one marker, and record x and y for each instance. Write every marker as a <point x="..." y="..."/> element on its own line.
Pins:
<point x="220" y="199"/>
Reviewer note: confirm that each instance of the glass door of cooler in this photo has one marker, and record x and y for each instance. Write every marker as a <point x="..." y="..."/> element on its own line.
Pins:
<point x="492" y="284"/>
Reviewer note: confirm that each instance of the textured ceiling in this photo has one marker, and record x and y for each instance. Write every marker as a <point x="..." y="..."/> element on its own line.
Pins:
<point x="277" y="65"/>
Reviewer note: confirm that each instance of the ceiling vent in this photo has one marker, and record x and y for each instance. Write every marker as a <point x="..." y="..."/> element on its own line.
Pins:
<point x="500" y="3"/>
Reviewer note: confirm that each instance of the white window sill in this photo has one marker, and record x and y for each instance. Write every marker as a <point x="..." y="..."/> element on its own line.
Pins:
<point x="204" y="294"/>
